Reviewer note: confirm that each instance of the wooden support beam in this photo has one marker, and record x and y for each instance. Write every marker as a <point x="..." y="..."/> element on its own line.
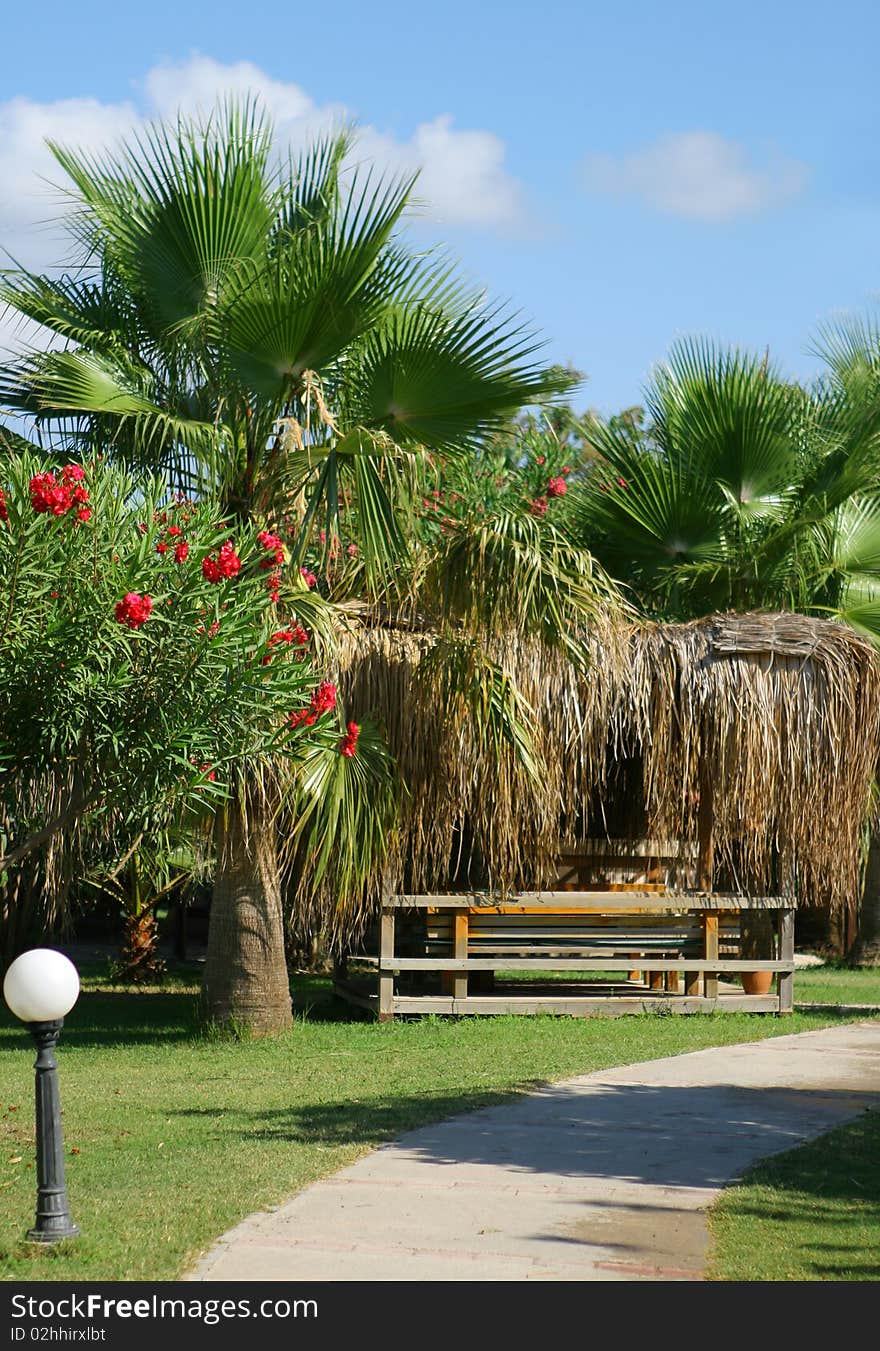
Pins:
<point x="672" y="982"/>
<point x="710" y="952"/>
<point x="608" y="963"/>
<point x="460" y="942"/>
<point x="692" y="983"/>
<point x="610" y="1006"/>
<point x="453" y="981"/>
<point x="786" y="954"/>
<point x="386" y="972"/>
<point x="634" y="975"/>
<point x="593" y="902"/>
<point x="655" y="980"/>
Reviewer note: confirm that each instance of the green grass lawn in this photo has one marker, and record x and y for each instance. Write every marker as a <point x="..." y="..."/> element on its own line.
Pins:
<point x="837" y="985"/>
<point x="170" y="1138"/>
<point x="811" y="1214"/>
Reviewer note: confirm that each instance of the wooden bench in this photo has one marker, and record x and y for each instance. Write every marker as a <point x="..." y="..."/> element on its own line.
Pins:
<point x="471" y="941"/>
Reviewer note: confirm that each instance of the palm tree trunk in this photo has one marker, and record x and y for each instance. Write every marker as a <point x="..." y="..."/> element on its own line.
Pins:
<point x="245" y="983"/>
<point x="867" y="947"/>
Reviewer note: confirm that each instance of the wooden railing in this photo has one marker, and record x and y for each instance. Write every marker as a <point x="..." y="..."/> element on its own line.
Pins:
<point x="654" y="939"/>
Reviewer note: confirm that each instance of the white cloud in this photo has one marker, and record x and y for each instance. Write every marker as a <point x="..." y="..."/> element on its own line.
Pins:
<point x="699" y="175"/>
<point x="28" y="203"/>
<point x="463" y="179"/>
<point x="193" y="86"/>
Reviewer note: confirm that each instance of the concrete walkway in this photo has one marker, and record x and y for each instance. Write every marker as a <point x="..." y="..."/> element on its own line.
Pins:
<point x="602" y="1177"/>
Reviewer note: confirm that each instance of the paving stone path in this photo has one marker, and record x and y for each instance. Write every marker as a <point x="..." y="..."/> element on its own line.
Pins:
<point x="603" y="1177"/>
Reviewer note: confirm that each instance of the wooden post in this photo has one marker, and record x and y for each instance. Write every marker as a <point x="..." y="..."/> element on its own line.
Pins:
<point x="710" y="952"/>
<point x="386" y="957"/>
<point x="460" y="978"/>
<point x="786" y="954"/>
<point x="655" y="980"/>
<point x="705" y="882"/>
<point x="672" y="982"/>
<point x="455" y="983"/>
<point x="634" y="975"/>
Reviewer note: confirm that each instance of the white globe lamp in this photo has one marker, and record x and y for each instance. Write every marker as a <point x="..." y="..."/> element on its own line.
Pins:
<point x="40" y="987"/>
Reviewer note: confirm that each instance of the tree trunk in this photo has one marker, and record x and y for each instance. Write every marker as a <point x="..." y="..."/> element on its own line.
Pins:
<point x="245" y="983"/>
<point x="867" y="946"/>
<point x="139" y="961"/>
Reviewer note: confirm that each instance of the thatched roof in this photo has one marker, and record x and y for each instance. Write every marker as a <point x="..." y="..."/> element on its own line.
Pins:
<point x="776" y="716"/>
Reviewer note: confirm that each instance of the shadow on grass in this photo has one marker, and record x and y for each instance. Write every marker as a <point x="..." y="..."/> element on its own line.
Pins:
<point x="151" y="1016"/>
<point x="114" y="1018"/>
<point x="665" y="1135"/>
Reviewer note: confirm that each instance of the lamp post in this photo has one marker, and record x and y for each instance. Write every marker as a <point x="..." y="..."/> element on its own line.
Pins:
<point x="41" y="986"/>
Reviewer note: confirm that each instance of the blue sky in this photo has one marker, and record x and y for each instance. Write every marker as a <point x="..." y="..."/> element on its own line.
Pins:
<point x="623" y="173"/>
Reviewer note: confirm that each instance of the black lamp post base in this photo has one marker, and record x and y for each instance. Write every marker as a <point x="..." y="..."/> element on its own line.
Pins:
<point x="54" y="1235"/>
<point x="52" y="1221"/>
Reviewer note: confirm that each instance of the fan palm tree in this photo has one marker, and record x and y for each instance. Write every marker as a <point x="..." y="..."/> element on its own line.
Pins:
<point x="751" y="492"/>
<point x="257" y="328"/>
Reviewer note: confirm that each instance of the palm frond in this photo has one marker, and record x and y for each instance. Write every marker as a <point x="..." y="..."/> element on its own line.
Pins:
<point x="443" y="381"/>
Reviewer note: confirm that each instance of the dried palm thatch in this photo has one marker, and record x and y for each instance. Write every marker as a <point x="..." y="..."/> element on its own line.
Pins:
<point x="776" y="719"/>
<point x="770" y="720"/>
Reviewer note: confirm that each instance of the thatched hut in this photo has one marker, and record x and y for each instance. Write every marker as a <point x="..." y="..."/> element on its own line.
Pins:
<point x="748" y="742"/>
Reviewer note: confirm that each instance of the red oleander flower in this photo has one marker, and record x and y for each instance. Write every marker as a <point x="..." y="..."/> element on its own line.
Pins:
<point x="323" y="700"/>
<point x="161" y="547"/>
<point x="181" y="551"/>
<point x="4" y="510"/>
<point x="272" y="584"/>
<point x="539" y="459"/>
<point x="173" y="530"/>
<point x="348" y="743"/>
<point x="226" y="564"/>
<point x="73" y="473"/>
<point x="324" y="697"/>
<point x="538" y="508"/>
<point x="228" y="560"/>
<point x="84" y="514"/>
<point x="308" y="577"/>
<point x="557" y="487"/>
<point x="80" y="494"/>
<point x="274" y="547"/>
<point x="49" y="496"/>
<point x="352" y="550"/>
<point x="134" y="610"/>
<point x="623" y="483"/>
<point x="295" y="635"/>
<point x="565" y="469"/>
